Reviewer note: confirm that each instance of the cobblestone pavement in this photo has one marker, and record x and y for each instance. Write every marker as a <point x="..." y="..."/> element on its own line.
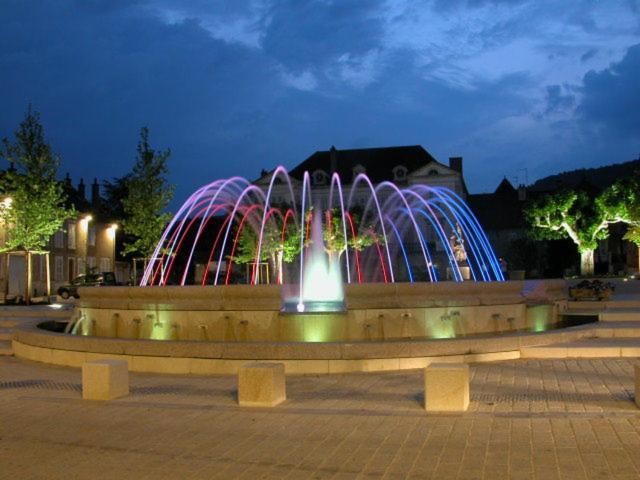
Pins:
<point x="548" y="419"/>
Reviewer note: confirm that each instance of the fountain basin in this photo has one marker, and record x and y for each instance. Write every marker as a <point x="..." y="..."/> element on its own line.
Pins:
<point x="374" y="312"/>
<point x="385" y="327"/>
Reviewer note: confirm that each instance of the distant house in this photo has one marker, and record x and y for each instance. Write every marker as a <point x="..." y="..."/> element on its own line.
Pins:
<point x="501" y="214"/>
<point x="404" y="166"/>
<point x="408" y="165"/>
<point x="83" y="244"/>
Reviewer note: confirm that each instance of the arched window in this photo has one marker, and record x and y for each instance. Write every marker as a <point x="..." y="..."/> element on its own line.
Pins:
<point x="319" y="177"/>
<point x="357" y="170"/>
<point x="399" y="173"/>
<point x="433" y="172"/>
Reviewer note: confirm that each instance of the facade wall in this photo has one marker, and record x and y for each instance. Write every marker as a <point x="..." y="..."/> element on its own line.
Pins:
<point x="80" y="246"/>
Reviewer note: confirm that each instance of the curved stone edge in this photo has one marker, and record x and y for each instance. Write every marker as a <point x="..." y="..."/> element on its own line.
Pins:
<point x="357" y="296"/>
<point x="210" y="366"/>
<point x="190" y="357"/>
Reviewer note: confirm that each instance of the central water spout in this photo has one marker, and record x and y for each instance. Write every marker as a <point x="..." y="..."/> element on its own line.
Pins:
<point x="321" y="288"/>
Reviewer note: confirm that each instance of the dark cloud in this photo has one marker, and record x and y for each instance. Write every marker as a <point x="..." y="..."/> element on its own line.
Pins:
<point x="589" y="54"/>
<point x="611" y="97"/>
<point x="444" y="5"/>
<point x="557" y="101"/>
<point x="300" y="34"/>
<point x="98" y="70"/>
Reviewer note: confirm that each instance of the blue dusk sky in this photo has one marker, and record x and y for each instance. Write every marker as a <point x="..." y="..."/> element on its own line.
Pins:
<point x="236" y="86"/>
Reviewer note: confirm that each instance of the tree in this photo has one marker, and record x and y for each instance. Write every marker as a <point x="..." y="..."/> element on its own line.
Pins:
<point x="585" y="219"/>
<point x="278" y="250"/>
<point x="275" y="249"/>
<point x="148" y="194"/>
<point x="334" y="241"/>
<point x="115" y="192"/>
<point x="34" y="207"/>
<point x="570" y="214"/>
<point x="633" y="235"/>
<point x="630" y="192"/>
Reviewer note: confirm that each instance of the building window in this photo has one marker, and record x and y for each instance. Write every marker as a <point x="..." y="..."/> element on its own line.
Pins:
<point x="71" y="268"/>
<point x="357" y="170"/>
<point x="433" y="172"/>
<point x="71" y="236"/>
<point x="92" y="236"/>
<point x="319" y="177"/>
<point x="58" y="239"/>
<point x="58" y="268"/>
<point x="91" y="263"/>
<point x="82" y="266"/>
<point x="105" y="264"/>
<point x="399" y="173"/>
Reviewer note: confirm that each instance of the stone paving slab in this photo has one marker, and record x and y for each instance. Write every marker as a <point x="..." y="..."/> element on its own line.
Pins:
<point x="535" y="419"/>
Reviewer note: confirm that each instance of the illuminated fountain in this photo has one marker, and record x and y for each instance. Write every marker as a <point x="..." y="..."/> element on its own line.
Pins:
<point x="313" y="240"/>
<point x="321" y="286"/>
<point x="333" y="281"/>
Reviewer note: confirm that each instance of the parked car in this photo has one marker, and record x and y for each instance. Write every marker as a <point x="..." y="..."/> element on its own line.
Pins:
<point x="89" y="280"/>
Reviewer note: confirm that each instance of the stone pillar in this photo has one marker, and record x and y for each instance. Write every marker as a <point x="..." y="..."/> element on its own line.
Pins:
<point x="105" y="379"/>
<point x="446" y="387"/>
<point x="261" y="384"/>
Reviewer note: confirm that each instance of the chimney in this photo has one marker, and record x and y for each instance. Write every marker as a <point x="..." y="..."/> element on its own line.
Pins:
<point x="522" y="193"/>
<point x="334" y="159"/>
<point x="81" y="192"/>
<point x="455" y="163"/>
<point x="95" y="193"/>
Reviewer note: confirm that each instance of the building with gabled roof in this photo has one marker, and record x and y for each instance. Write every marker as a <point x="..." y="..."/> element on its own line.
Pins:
<point x="404" y="165"/>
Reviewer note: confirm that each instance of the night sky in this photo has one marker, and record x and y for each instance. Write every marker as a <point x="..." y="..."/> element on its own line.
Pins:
<point x="233" y="87"/>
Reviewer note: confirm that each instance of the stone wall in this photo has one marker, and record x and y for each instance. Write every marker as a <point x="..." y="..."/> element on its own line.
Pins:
<point x="239" y="313"/>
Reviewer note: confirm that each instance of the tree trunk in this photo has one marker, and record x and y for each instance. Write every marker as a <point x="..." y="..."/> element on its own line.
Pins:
<point x="28" y="284"/>
<point x="48" y="274"/>
<point x="279" y="267"/>
<point x="586" y="263"/>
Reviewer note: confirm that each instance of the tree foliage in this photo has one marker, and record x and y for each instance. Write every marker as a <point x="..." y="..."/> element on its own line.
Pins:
<point x="148" y="194"/>
<point x="276" y="248"/>
<point x="334" y="239"/>
<point x="569" y="214"/>
<point x="585" y="218"/>
<point x="115" y="192"/>
<point x="34" y="206"/>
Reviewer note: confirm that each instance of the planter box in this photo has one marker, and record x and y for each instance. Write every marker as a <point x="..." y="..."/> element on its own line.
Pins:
<point x="589" y="294"/>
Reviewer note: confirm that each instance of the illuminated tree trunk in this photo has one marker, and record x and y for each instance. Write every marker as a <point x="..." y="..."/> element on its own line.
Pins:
<point x="28" y="282"/>
<point x="279" y="275"/>
<point x="586" y="263"/>
<point x="48" y="274"/>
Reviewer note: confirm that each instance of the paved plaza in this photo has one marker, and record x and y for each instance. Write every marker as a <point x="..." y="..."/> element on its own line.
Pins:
<point x="539" y="419"/>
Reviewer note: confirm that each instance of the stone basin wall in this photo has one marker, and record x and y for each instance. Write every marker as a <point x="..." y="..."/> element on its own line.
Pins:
<point x="239" y="313"/>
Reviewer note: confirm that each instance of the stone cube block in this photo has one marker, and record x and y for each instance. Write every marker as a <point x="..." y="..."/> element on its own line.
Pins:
<point x="105" y="379"/>
<point x="446" y="387"/>
<point x="637" y="372"/>
<point x="261" y="384"/>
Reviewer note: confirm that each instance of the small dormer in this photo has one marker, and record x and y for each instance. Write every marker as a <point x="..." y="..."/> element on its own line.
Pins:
<point x="399" y="173"/>
<point x="319" y="177"/>
<point x="357" y="170"/>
